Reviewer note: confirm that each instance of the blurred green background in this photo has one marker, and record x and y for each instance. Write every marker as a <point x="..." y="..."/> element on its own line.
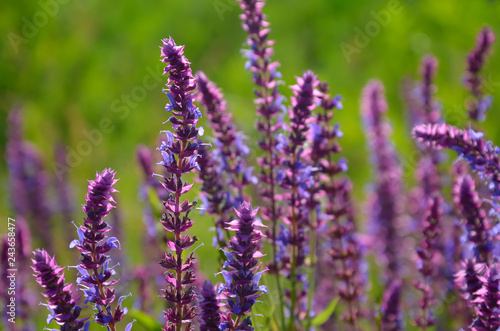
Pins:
<point x="69" y="64"/>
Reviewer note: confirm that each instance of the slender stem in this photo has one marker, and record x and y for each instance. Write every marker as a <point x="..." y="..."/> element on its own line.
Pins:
<point x="312" y="258"/>
<point x="294" y="236"/>
<point x="178" y="236"/>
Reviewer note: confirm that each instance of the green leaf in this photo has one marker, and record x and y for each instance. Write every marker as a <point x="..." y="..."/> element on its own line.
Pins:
<point x="322" y="317"/>
<point x="144" y="319"/>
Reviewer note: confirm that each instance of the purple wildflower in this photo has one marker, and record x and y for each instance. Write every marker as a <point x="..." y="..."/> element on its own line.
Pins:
<point x="338" y="214"/>
<point x="215" y="194"/>
<point x="60" y="301"/>
<point x="391" y="307"/>
<point x="477" y="222"/>
<point x="297" y="174"/>
<point x="241" y="269"/>
<point x="269" y="107"/>
<point x="209" y="308"/>
<point x="480" y="103"/>
<point x="223" y="167"/>
<point x="487" y="304"/>
<point x="94" y="270"/>
<point x="385" y="208"/>
<point x="427" y="266"/>
<point x="431" y="111"/>
<point x="143" y="278"/>
<point x="28" y="180"/>
<point x="468" y="280"/>
<point x="229" y="141"/>
<point x="482" y="156"/>
<point x="180" y="157"/>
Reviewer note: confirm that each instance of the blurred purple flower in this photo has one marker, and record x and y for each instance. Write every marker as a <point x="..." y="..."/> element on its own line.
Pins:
<point x="477" y="221"/>
<point x="480" y="103"/>
<point x="386" y="202"/>
<point x="209" y="308"/>
<point x="269" y="105"/>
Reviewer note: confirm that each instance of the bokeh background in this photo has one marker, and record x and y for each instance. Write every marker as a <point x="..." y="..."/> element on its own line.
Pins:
<point x="69" y="64"/>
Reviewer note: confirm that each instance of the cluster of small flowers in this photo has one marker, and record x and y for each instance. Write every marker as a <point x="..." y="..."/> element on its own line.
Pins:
<point x="307" y="211"/>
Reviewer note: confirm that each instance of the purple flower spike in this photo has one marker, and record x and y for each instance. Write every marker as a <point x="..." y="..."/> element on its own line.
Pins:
<point x="391" y="308"/>
<point x="241" y="269"/>
<point x="477" y="221"/>
<point x="209" y="308"/>
<point x="339" y="241"/>
<point x="224" y="165"/>
<point x="269" y="101"/>
<point x="468" y="280"/>
<point x="480" y="103"/>
<point x="432" y="112"/>
<point x="28" y="180"/>
<point x="385" y="208"/>
<point x="481" y="155"/>
<point x="180" y="156"/>
<point x="60" y="301"/>
<point x="428" y="253"/>
<point x="487" y="304"/>
<point x="93" y="244"/>
<point x="228" y="140"/>
<point x="298" y="177"/>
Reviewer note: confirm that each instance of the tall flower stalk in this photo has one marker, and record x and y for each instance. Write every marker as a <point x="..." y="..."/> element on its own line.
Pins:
<point x="338" y="214"/>
<point x="385" y="207"/>
<point x="428" y="254"/>
<point x="180" y="157"/>
<point x="224" y="172"/>
<point x="265" y="76"/>
<point x="93" y="243"/>
<point x="296" y="176"/>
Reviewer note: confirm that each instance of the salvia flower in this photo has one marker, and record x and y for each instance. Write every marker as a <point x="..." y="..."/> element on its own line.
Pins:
<point x="385" y="207"/>
<point x="481" y="155"/>
<point x="93" y="243"/>
<point x="487" y="304"/>
<point x="28" y="180"/>
<point x="427" y="265"/>
<point x="230" y="141"/>
<point x="61" y="303"/>
<point x="269" y="105"/>
<point x="209" y="315"/>
<point x="216" y="196"/>
<point x="225" y="163"/>
<point x="391" y="308"/>
<point x="337" y="216"/>
<point x="241" y="274"/>
<point x="480" y="103"/>
<point x="180" y="157"/>
<point x="468" y="279"/>
<point x="297" y="174"/>
<point x="432" y="111"/>
<point x="477" y="221"/>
